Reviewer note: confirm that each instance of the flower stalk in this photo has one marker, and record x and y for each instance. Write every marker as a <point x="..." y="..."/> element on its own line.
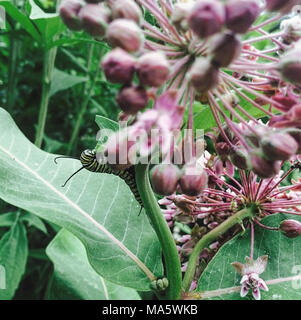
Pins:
<point x="210" y="237"/>
<point x="48" y="67"/>
<point x="170" y="253"/>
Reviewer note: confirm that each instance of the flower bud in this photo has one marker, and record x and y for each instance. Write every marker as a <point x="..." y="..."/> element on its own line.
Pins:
<point x="287" y="101"/>
<point x="193" y="180"/>
<point x="240" y="14"/>
<point x="206" y="17"/>
<point x="95" y="19"/>
<point x="125" y="34"/>
<point x="118" y="66"/>
<point x="281" y="5"/>
<point x="264" y="168"/>
<point x="294" y="114"/>
<point x="152" y="69"/>
<point x="239" y="157"/>
<point x="222" y="149"/>
<point x="291" y="29"/>
<point x="278" y="146"/>
<point x="254" y="138"/>
<point x="164" y="178"/>
<point x="290" y="228"/>
<point x="69" y="10"/>
<point x="225" y="48"/>
<point x="290" y="66"/>
<point x="126" y="9"/>
<point x="296" y="134"/>
<point x="203" y="75"/>
<point x="132" y="99"/>
<point x="179" y="15"/>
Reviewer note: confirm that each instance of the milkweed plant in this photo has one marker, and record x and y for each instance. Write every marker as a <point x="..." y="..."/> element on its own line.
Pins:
<point x="192" y="188"/>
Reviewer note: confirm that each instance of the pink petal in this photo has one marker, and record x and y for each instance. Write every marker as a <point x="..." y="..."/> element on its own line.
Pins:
<point x="244" y="290"/>
<point x="244" y="279"/>
<point x="218" y="166"/>
<point x="256" y="293"/>
<point x="262" y="285"/>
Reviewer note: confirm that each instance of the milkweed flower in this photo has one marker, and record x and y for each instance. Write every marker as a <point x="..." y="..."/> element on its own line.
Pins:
<point x="250" y="272"/>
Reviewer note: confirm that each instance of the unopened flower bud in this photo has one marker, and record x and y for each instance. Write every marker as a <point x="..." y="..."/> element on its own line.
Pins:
<point x="291" y="29"/>
<point x="126" y="9"/>
<point x="287" y="101"/>
<point x="254" y="138"/>
<point x="132" y="99"/>
<point x="290" y="228"/>
<point x="180" y="13"/>
<point x="239" y="157"/>
<point x="278" y="146"/>
<point x="125" y="34"/>
<point x="296" y="134"/>
<point x="225" y="48"/>
<point x="69" y="10"/>
<point x="290" y="65"/>
<point x="152" y="69"/>
<point x="118" y="66"/>
<point x="95" y="19"/>
<point x="206" y="17"/>
<point x="264" y="168"/>
<point x="203" y="75"/>
<point x="240" y="14"/>
<point x="193" y="180"/>
<point x="294" y="114"/>
<point x="281" y="5"/>
<point x="164" y="178"/>
<point x="222" y="149"/>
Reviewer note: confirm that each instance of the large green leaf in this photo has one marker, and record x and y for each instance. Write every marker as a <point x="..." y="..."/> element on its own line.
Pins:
<point x="98" y="208"/>
<point x="203" y="118"/>
<point x="282" y="275"/>
<point x="74" y="278"/>
<point x="13" y="258"/>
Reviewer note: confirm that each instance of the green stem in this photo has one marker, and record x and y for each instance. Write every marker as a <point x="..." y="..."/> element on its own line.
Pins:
<point x="209" y="238"/>
<point x="48" y="66"/>
<point x="170" y="253"/>
<point x="85" y="103"/>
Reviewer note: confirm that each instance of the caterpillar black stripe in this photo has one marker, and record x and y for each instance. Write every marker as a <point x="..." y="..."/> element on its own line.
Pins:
<point x="89" y="161"/>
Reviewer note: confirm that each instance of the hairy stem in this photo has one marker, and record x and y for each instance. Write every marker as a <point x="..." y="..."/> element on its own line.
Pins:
<point x="209" y="238"/>
<point x="48" y="66"/>
<point x="170" y="253"/>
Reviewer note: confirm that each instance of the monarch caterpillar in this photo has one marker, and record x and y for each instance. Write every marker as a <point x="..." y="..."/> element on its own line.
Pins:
<point x="89" y="161"/>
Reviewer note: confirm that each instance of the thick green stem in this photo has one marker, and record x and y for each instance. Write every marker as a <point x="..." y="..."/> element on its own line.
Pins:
<point x="170" y="253"/>
<point x="48" y="66"/>
<point x="209" y="238"/>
